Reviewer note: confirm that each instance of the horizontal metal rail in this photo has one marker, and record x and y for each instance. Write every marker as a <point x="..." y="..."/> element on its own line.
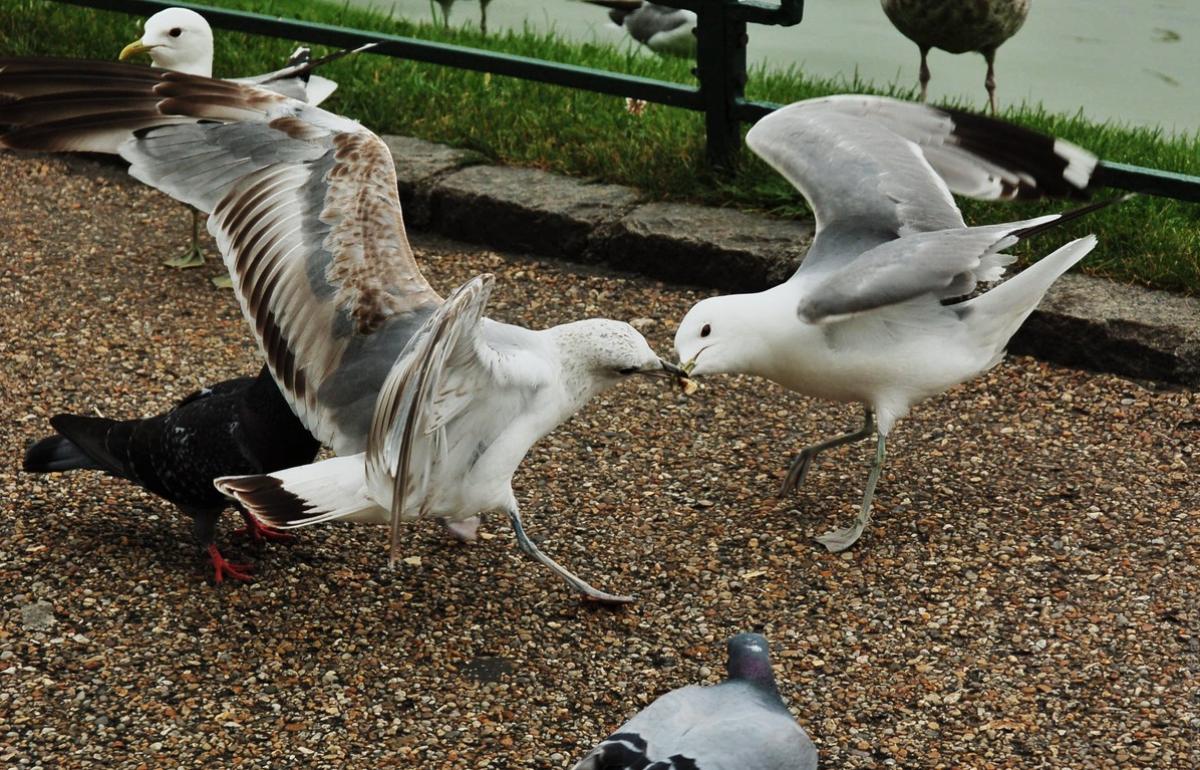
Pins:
<point x="724" y="46"/>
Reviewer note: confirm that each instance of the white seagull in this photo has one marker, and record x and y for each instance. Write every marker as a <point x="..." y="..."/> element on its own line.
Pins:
<point x="180" y="39"/>
<point x="868" y="317"/>
<point x="661" y="28"/>
<point x="739" y="724"/>
<point x="304" y="207"/>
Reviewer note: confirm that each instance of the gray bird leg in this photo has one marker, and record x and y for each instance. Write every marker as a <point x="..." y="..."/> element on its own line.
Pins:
<point x="193" y="257"/>
<point x="804" y="460"/>
<point x="841" y="539"/>
<point x="924" y="74"/>
<point x="590" y="593"/>
<point x="483" y="4"/>
<point x="990" y="81"/>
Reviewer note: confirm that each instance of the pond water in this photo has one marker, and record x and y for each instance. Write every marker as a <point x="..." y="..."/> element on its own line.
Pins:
<point x="1133" y="61"/>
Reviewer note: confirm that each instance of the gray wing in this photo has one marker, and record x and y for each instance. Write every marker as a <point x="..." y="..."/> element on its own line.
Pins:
<point x="875" y="169"/>
<point x="651" y="19"/>
<point x="727" y="727"/>
<point x="865" y="183"/>
<point x="304" y="208"/>
<point x="940" y="265"/>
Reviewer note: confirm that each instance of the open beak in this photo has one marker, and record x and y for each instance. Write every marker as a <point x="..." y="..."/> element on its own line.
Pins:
<point x="133" y="49"/>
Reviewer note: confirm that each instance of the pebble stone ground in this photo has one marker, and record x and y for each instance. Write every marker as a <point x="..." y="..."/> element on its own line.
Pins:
<point x="1027" y="597"/>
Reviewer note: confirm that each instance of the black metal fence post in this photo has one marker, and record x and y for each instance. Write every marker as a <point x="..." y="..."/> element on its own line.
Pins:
<point x="721" y="69"/>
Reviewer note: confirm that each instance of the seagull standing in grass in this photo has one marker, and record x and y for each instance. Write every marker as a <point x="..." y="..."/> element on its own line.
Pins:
<point x="431" y="406"/>
<point x="958" y="26"/>
<point x="180" y="39"/>
<point x="739" y="724"/>
<point x="868" y="316"/>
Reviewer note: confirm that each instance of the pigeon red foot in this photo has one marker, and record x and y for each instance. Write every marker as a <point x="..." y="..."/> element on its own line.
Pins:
<point x="223" y="569"/>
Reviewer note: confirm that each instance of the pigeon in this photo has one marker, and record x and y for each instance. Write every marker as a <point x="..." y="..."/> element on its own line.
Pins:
<point x="958" y="26"/>
<point x="305" y="209"/>
<point x="665" y="30"/>
<point x="180" y="39"/>
<point x="870" y="315"/>
<point x="242" y="425"/>
<point x="739" y="724"/>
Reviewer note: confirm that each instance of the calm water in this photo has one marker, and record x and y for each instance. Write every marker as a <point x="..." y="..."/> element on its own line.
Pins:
<point x="1135" y="61"/>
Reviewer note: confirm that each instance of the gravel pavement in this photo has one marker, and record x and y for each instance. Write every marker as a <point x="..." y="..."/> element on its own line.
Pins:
<point x="1027" y="597"/>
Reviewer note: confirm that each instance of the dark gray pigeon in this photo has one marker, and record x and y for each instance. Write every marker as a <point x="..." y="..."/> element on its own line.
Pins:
<point x="238" y="426"/>
<point x="739" y="724"/>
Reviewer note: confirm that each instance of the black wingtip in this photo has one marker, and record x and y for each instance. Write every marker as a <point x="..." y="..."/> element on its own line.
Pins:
<point x="1073" y="214"/>
<point x="265" y="498"/>
<point x="1051" y="167"/>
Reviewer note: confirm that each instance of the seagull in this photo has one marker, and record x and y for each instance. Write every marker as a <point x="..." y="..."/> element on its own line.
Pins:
<point x="739" y="724"/>
<point x="241" y="425"/>
<point x="180" y="39"/>
<point x="304" y="207"/>
<point x="661" y="28"/>
<point x="958" y="26"/>
<point x="869" y="316"/>
<point x="458" y="412"/>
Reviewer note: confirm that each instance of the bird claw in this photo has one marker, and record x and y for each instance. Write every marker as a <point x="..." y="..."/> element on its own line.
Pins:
<point x="597" y="596"/>
<point x="262" y="533"/>
<point x="836" y="540"/>
<point x="232" y="570"/>
<point x="193" y="257"/>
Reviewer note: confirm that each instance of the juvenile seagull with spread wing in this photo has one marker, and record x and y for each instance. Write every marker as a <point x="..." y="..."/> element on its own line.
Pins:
<point x="739" y="724"/>
<point x="304" y="207"/>
<point x="180" y="39"/>
<point x="865" y="318"/>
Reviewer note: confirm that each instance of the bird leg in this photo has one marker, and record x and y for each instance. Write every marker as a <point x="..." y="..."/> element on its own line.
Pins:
<point x="804" y="460"/>
<point x="223" y="569"/>
<point x="193" y="257"/>
<point x="841" y="539"/>
<point x="258" y="532"/>
<point x="589" y="593"/>
<point x="990" y="81"/>
<point x="924" y="74"/>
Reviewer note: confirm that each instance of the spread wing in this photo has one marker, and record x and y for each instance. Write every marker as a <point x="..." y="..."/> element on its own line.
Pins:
<point x="875" y="169"/>
<point x="304" y="208"/>
<point x="440" y="409"/>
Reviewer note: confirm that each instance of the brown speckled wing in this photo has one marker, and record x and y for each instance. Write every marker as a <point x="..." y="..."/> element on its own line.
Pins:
<point x="304" y="208"/>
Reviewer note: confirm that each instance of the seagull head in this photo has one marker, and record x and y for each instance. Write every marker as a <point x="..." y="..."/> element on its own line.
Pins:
<point x="604" y="352"/>
<point x="176" y="39"/>
<point x="722" y="334"/>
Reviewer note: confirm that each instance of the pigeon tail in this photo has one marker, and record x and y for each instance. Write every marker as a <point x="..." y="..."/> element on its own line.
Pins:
<point x="104" y="441"/>
<point x="308" y="494"/>
<point x="56" y="454"/>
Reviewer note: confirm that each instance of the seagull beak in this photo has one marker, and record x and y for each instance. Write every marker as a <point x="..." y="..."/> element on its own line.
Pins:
<point x="680" y="373"/>
<point x="133" y="49"/>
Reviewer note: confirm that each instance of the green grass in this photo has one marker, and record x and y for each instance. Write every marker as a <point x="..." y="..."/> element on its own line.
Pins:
<point x="1149" y="241"/>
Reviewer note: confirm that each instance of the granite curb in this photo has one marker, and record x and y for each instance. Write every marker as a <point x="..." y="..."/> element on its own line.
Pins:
<point x="1083" y="321"/>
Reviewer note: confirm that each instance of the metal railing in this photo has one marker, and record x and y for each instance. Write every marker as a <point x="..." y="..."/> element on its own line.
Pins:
<point x="721" y="38"/>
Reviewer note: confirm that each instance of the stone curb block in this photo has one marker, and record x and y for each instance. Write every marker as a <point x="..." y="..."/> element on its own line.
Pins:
<point x="1083" y="321"/>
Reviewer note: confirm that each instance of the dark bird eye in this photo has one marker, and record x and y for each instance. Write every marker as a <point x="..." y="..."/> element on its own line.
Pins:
<point x="707" y="330"/>
<point x="627" y="370"/>
<point x="175" y="32"/>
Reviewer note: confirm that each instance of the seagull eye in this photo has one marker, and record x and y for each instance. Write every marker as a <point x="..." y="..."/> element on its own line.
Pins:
<point x="627" y="370"/>
<point x="707" y="330"/>
<point x="175" y="32"/>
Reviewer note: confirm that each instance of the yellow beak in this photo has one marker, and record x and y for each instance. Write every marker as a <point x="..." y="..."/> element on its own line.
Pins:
<point x="133" y="49"/>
